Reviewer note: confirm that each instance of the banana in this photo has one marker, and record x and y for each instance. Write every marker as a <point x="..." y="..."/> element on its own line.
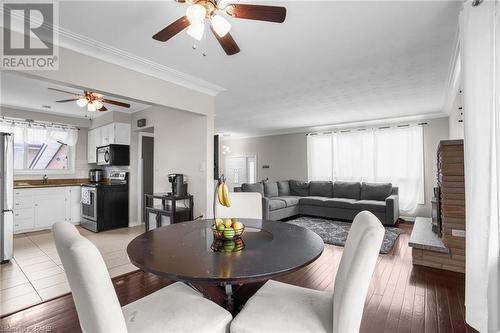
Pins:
<point x="220" y="195"/>
<point x="225" y="194"/>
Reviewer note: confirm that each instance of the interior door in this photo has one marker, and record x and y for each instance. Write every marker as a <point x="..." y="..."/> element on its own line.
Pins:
<point x="237" y="171"/>
<point x="147" y="169"/>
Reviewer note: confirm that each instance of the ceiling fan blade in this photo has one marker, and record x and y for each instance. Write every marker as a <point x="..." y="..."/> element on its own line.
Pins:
<point x="103" y="109"/>
<point x="67" y="100"/>
<point x="110" y="101"/>
<point x="66" y="92"/>
<point x="227" y="42"/>
<point x="257" y="12"/>
<point x="181" y="1"/>
<point x="172" y="30"/>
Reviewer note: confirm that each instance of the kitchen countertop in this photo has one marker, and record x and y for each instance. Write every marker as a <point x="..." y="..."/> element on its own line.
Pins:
<point x="38" y="183"/>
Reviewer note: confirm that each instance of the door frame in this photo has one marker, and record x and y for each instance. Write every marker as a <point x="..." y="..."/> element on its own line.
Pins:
<point x="139" y="173"/>
<point x="246" y="156"/>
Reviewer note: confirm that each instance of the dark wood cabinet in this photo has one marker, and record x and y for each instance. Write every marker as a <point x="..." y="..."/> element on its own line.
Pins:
<point x="162" y="209"/>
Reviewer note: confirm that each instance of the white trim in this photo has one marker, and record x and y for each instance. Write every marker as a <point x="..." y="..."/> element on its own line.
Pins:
<point x="454" y="76"/>
<point x="99" y="50"/>
<point x="139" y="174"/>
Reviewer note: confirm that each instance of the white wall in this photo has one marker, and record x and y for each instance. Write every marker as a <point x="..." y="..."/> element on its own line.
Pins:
<point x="287" y="156"/>
<point x="180" y="146"/>
<point x="81" y="166"/>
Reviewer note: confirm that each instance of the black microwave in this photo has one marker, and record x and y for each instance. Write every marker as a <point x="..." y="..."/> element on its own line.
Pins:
<point x="113" y="155"/>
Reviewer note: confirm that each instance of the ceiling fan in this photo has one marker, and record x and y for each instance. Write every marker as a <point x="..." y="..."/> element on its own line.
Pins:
<point x="201" y="11"/>
<point x="92" y="100"/>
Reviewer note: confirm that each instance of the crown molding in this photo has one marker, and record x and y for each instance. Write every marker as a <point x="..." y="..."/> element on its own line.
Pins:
<point x="99" y="50"/>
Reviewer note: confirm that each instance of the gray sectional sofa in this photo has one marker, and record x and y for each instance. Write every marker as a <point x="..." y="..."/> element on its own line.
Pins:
<point x="336" y="200"/>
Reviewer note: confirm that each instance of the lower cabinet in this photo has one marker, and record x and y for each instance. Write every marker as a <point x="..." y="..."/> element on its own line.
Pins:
<point x="40" y="208"/>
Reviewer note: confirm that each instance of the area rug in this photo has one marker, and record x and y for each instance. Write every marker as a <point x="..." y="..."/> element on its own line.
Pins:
<point x="335" y="232"/>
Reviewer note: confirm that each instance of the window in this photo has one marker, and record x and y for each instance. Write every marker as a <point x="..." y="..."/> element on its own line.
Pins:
<point x="40" y="148"/>
<point x="392" y="155"/>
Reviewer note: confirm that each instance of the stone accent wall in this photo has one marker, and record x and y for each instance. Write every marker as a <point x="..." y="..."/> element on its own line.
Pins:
<point x="451" y="183"/>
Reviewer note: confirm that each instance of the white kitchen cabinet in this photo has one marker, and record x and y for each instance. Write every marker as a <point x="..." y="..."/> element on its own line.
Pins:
<point x="40" y="208"/>
<point x="74" y="207"/>
<point x="114" y="133"/>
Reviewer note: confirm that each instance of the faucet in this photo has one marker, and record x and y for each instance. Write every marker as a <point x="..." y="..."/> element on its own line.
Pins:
<point x="45" y="179"/>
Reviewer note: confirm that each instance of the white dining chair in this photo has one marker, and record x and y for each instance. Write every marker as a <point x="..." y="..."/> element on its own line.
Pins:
<point x="175" y="308"/>
<point x="280" y="307"/>
<point x="243" y="205"/>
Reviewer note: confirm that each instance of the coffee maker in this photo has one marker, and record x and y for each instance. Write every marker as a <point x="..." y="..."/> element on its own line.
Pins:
<point x="179" y="187"/>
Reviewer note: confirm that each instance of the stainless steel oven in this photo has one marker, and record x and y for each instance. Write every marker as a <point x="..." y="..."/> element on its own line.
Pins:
<point x="89" y="202"/>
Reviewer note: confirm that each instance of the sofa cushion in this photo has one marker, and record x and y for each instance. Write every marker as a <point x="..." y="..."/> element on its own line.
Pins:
<point x="283" y="188"/>
<point x="344" y="203"/>
<point x="289" y="200"/>
<point x="271" y="189"/>
<point x="299" y="188"/>
<point x="349" y="190"/>
<point x="371" y="205"/>
<point x="313" y="201"/>
<point x="321" y="188"/>
<point x="275" y="204"/>
<point x="375" y="191"/>
<point x="257" y="187"/>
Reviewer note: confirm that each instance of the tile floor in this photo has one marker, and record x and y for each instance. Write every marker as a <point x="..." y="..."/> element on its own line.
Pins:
<point x="36" y="273"/>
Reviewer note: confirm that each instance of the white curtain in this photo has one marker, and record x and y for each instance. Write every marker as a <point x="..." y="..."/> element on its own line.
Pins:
<point x="319" y="157"/>
<point x="36" y="133"/>
<point x="480" y="53"/>
<point x="393" y="155"/>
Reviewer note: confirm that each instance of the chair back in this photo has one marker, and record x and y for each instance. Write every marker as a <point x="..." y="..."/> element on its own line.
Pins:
<point x="355" y="271"/>
<point x="243" y="205"/>
<point x="97" y="305"/>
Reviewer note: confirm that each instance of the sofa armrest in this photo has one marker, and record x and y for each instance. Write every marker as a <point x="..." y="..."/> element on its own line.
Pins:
<point x="265" y="208"/>
<point x="392" y="209"/>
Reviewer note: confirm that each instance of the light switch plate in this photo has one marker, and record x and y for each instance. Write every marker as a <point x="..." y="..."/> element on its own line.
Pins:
<point x="458" y="233"/>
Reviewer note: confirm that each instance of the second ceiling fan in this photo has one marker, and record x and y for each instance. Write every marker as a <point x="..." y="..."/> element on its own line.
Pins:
<point x="201" y="11"/>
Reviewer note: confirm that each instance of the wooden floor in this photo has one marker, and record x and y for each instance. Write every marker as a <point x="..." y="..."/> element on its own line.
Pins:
<point x="401" y="298"/>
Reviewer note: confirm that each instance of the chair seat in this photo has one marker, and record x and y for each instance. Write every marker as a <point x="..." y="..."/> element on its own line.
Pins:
<point x="176" y="308"/>
<point x="280" y="307"/>
<point x="344" y="203"/>
<point x="275" y="204"/>
<point x="313" y="201"/>
<point x="371" y="205"/>
<point x="289" y="200"/>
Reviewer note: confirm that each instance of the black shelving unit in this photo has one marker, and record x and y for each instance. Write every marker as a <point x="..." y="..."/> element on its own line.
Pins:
<point x="163" y="206"/>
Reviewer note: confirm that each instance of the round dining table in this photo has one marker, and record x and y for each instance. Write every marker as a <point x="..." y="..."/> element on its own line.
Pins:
<point x="189" y="252"/>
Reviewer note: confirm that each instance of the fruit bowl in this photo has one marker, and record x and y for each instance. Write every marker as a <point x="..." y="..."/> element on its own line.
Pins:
<point x="228" y="246"/>
<point x="228" y="229"/>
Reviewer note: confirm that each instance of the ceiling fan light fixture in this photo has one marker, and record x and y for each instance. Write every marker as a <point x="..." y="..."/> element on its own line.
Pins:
<point x="196" y="13"/>
<point x="91" y="107"/>
<point x="220" y="25"/>
<point x="196" y="30"/>
<point x="81" y="102"/>
<point x="98" y="104"/>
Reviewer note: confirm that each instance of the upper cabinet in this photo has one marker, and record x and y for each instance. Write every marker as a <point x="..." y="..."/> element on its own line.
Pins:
<point x="114" y="133"/>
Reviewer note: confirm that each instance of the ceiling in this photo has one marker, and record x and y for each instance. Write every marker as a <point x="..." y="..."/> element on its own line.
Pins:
<point x="32" y="94"/>
<point x="331" y="62"/>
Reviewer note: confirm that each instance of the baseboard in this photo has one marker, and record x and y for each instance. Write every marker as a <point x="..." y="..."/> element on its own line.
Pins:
<point x="134" y="224"/>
